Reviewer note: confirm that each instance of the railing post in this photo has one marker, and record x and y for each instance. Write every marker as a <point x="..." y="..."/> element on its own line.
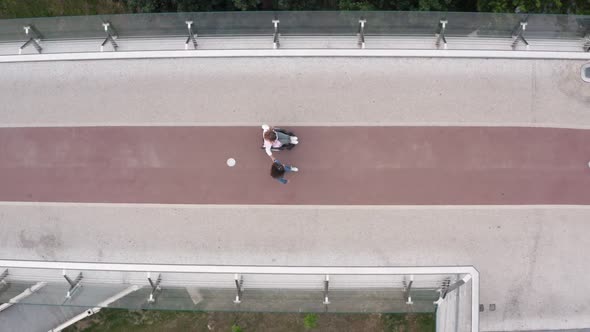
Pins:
<point x="361" y="33"/>
<point x="275" y="38"/>
<point x="518" y="34"/>
<point x="3" y="282"/>
<point x="191" y="36"/>
<point x="155" y="287"/>
<point x="587" y="43"/>
<point x="456" y="285"/>
<point x="111" y="36"/>
<point x="326" y="289"/>
<point x="74" y="284"/>
<point x="440" y="34"/>
<point x="34" y="39"/>
<point x="408" y="289"/>
<point x="239" y="281"/>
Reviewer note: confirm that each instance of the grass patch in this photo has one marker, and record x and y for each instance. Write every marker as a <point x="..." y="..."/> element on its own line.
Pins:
<point x="117" y="320"/>
<point x="422" y="322"/>
<point x="310" y="321"/>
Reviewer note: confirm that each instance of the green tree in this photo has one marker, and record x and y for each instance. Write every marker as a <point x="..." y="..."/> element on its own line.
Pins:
<point x="151" y="6"/>
<point x="535" y="6"/>
<point x="158" y="6"/>
<point x="305" y="4"/>
<point x="413" y="5"/>
<point x="246" y="4"/>
<point x="355" y="5"/>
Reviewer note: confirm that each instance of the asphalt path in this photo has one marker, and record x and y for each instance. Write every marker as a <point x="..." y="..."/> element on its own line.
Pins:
<point x="338" y="166"/>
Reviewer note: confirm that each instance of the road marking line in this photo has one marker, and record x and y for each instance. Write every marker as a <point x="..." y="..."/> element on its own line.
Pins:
<point x="297" y="124"/>
<point x="300" y="207"/>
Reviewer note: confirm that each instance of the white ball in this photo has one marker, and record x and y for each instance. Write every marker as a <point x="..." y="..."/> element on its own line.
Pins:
<point x="231" y="162"/>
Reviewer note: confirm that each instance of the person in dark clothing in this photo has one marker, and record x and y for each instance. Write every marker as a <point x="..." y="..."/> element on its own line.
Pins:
<point x="278" y="170"/>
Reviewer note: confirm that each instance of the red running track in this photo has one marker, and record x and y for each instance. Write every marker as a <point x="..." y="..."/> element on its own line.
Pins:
<point x="338" y="165"/>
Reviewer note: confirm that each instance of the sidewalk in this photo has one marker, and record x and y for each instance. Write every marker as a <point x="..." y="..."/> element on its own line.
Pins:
<point x="531" y="259"/>
<point x="295" y="91"/>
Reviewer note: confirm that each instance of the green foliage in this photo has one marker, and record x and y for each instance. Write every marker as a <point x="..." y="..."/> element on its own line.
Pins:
<point x="310" y="321"/>
<point x="355" y="5"/>
<point x="304" y="5"/>
<point x="159" y="6"/>
<point x="426" y="322"/>
<point x="246" y="4"/>
<point x="119" y="320"/>
<point x="535" y="6"/>
<point x="151" y="6"/>
<point x="441" y="5"/>
<point x="40" y="8"/>
<point x="434" y="5"/>
<point x="395" y="322"/>
<point x="423" y="322"/>
<point x="116" y="320"/>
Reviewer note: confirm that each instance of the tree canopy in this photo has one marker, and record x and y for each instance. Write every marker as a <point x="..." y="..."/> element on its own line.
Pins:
<point x="499" y="6"/>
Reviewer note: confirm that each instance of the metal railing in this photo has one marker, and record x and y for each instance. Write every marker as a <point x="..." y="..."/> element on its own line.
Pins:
<point x="298" y="30"/>
<point x="235" y="288"/>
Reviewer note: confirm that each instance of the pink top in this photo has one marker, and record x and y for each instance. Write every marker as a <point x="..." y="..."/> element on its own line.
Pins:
<point x="269" y="145"/>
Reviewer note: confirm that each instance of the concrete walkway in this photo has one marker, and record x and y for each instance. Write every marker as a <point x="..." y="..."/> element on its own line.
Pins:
<point x="295" y="91"/>
<point x="531" y="258"/>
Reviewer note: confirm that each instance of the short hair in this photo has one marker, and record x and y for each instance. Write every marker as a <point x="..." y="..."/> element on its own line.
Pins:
<point x="270" y="135"/>
<point x="277" y="170"/>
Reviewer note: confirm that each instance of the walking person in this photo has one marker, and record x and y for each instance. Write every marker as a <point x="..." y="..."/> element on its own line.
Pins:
<point x="278" y="170"/>
<point x="275" y="139"/>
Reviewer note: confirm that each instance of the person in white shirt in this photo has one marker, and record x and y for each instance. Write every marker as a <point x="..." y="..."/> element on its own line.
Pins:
<point x="275" y="139"/>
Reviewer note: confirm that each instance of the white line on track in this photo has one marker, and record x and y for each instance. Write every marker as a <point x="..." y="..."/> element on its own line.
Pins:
<point x="301" y="207"/>
<point x="296" y="124"/>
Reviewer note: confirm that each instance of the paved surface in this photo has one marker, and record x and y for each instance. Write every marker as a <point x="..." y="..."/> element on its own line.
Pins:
<point x="304" y="91"/>
<point x="339" y="165"/>
<point x="531" y="258"/>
